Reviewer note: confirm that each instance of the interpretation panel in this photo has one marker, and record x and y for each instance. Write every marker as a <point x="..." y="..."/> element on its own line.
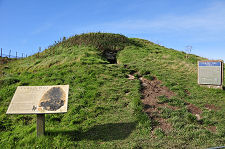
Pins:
<point x="210" y="72"/>
<point x="39" y="100"/>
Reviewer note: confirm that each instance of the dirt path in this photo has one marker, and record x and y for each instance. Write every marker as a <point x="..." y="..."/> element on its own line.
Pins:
<point x="151" y="90"/>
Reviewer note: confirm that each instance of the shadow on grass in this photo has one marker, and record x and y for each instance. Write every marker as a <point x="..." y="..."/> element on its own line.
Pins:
<point x="105" y="132"/>
<point x="223" y="87"/>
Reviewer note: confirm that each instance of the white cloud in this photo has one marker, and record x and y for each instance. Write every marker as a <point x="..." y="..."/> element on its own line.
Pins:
<point x="211" y="19"/>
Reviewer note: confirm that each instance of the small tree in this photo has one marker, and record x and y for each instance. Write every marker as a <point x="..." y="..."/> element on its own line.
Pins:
<point x="188" y="50"/>
<point x="39" y="50"/>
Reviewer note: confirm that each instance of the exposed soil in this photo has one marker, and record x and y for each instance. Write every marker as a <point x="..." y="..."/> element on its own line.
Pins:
<point x="212" y="128"/>
<point x="211" y="107"/>
<point x="195" y="110"/>
<point x="130" y="77"/>
<point x="4" y="60"/>
<point x="187" y="92"/>
<point x="151" y="90"/>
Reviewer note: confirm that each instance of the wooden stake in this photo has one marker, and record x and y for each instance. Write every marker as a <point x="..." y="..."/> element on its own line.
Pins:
<point x="40" y="125"/>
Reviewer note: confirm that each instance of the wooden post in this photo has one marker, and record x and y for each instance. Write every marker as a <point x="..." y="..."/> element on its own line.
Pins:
<point x="16" y="55"/>
<point x="40" y="125"/>
<point x="22" y="55"/>
<point x="1" y="52"/>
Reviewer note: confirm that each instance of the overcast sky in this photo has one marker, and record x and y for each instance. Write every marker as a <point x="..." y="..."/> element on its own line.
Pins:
<point x="26" y="25"/>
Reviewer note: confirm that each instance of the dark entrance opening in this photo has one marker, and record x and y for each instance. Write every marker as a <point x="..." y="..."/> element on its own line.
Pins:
<point x="110" y="56"/>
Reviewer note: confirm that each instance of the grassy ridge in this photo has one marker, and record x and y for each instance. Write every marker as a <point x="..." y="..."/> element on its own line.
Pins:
<point x="102" y="101"/>
<point x="105" y="109"/>
<point x="101" y="41"/>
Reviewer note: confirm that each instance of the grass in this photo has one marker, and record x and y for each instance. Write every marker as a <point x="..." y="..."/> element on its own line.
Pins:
<point x="180" y="75"/>
<point x="101" y="110"/>
<point x="105" y="109"/>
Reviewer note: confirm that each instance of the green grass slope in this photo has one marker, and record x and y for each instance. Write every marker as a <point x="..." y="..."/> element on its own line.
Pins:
<point x="105" y="108"/>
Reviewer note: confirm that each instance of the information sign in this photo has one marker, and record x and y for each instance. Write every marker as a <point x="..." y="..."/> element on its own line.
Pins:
<point x="39" y="100"/>
<point x="210" y="73"/>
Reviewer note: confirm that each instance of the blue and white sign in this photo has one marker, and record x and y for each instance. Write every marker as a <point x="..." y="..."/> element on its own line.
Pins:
<point x="210" y="73"/>
<point x="209" y="63"/>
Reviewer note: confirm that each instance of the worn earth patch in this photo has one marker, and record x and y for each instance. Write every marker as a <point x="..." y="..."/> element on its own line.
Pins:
<point x="212" y="128"/>
<point x="211" y="107"/>
<point x="195" y="110"/>
<point x="151" y="90"/>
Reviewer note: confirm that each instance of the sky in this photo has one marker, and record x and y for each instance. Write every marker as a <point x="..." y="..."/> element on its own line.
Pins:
<point x="26" y="25"/>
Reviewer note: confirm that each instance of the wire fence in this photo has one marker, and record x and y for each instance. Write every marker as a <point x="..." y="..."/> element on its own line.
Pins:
<point x="10" y="54"/>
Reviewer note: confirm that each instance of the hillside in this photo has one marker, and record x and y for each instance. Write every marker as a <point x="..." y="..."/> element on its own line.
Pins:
<point x="124" y="93"/>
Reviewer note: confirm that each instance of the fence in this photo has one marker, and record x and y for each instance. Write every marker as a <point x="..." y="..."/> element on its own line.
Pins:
<point x="10" y="55"/>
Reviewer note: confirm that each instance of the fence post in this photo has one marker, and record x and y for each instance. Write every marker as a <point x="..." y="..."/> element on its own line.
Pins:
<point x="22" y="55"/>
<point x="1" y="52"/>
<point x="9" y="53"/>
<point x="16" y="55"/>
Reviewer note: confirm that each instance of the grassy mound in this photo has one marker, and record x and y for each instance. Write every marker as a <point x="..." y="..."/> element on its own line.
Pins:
<point x="108" y="44"/>
<point x="101" y="41"/>
<point x="105" y="108"/>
